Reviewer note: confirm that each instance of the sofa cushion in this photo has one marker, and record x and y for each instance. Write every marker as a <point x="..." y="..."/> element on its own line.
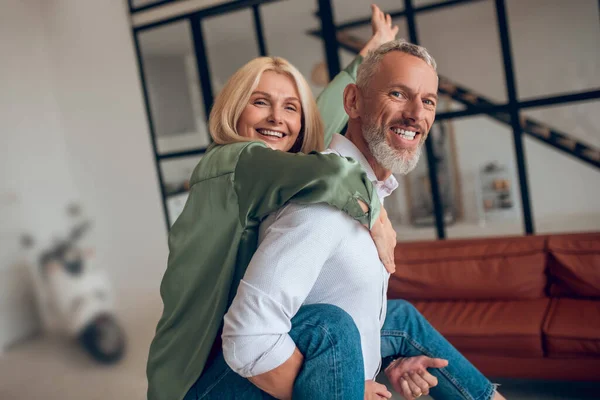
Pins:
<point x="503" y="328"/>
<point x="572" y="328"/>
<point x="510" y="268"/>
<point x="574" y="265"/>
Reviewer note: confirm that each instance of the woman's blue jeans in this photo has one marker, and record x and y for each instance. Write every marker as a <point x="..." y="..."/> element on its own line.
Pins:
<point x="333" y="364"/>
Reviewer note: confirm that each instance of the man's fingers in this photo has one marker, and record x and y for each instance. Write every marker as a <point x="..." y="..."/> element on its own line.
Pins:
<point x="431" y="380"/>
<point x="382" y="390"/>
<point x="435" y="363"/>
<point x="420" y="382"/>
<point x="415" y="390"/>
<point x="374" y="390"/>
<point x="395" y="30"/>
<point x="388" y="19"/>
<point x="406" y="393"/>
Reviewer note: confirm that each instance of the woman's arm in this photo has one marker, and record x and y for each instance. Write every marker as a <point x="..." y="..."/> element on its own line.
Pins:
<point x="266" y="179"/>
<point x="330" y="101"/>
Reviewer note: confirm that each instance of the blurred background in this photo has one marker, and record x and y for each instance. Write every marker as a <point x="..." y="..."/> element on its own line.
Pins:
<point x="104" y="104"/>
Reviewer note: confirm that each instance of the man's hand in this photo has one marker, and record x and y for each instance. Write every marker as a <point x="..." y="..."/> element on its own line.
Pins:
<point x="376" y="391"/>
<point x="384" y="236"/>
<point x="409" y="376"/>
<point x="279" y="382"/>
<point x="383" y="31"/>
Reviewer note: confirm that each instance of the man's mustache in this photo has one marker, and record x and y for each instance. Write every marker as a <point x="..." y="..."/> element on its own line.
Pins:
<point x="407" y="123"/>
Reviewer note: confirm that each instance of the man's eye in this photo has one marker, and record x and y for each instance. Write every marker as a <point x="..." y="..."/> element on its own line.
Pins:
<point x="396" y="94"/>
<point x="429" y="102"/>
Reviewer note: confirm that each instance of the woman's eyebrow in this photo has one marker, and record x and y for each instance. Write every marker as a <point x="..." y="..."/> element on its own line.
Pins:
<point x="263" y="93"/>
<point x="291" y="98"/>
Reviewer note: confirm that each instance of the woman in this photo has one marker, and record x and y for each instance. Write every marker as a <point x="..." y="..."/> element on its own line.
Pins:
<point x="238" y="183"/>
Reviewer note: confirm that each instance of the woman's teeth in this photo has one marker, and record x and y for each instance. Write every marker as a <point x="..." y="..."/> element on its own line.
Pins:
<point x="270" y="133"/>
<point x="408" y="135"/>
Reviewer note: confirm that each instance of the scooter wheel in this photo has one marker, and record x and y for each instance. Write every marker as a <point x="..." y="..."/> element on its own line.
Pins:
<point x="104" y="339"/>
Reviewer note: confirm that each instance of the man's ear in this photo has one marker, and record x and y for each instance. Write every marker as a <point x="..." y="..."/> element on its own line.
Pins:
<point x="351" y="100"/>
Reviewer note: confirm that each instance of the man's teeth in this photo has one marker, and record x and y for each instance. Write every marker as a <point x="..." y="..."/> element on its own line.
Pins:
<point x="271" y="133"/>
<point x="409" y="135"/>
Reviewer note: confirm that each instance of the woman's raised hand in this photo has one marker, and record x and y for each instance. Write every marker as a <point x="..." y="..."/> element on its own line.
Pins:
<point x="383" y="30"/>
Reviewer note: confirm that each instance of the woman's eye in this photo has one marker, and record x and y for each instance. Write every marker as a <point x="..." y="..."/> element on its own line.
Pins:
<point x="291" y="108"/>
<point x="260" y="102"/>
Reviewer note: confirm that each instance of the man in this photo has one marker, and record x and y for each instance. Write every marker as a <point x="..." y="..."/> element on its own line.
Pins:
<point x="314" y="254"/>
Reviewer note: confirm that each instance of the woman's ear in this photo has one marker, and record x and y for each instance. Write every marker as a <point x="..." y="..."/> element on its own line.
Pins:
<point x="351" y="101"/>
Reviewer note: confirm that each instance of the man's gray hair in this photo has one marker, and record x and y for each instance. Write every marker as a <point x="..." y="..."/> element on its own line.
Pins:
<point x="370" y="64"/>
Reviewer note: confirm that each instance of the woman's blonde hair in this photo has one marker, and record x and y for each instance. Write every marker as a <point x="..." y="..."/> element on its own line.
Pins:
<point x="234" y="97"/>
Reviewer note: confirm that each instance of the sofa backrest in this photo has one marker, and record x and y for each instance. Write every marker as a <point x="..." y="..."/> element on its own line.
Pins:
<point x="574" y="265"/>
<point x="510" y="268"/>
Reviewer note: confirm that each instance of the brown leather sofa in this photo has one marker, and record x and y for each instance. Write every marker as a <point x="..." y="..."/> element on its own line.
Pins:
<point x="520" y="307"/>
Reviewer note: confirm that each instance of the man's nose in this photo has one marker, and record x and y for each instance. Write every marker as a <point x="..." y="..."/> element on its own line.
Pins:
<point x="414" y="110"/>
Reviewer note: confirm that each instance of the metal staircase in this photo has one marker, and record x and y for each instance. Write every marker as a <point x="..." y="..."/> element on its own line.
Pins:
<point x="539" y="130"/>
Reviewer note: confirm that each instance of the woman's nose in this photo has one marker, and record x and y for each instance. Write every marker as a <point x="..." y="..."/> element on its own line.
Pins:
<point x="275" y="116"/>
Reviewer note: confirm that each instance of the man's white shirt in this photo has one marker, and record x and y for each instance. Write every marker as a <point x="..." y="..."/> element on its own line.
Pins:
<point x="308" y="254"/>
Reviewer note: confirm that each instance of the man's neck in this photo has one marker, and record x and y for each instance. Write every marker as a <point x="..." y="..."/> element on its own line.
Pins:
<point x="354" y="134"/>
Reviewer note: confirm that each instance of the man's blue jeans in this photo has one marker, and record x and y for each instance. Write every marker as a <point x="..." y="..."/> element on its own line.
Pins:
<point x="333" y="364"/>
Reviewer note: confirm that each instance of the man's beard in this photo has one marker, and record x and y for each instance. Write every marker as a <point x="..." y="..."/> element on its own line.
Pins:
<point x="398" y="161"/>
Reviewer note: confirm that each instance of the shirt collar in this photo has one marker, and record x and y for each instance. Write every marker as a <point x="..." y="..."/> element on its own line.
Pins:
<point x="345" y="148"/>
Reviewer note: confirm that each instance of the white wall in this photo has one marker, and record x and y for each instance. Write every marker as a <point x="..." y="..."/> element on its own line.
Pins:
<point x="35" y="179"/>
<point x="95" y="78"/>
<point x="33" y="162"/>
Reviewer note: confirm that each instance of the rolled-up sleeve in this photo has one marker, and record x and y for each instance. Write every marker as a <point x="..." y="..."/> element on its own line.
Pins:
<point x="278" y="280"/>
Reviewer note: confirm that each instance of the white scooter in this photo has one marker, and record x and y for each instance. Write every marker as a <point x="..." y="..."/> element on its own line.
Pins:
<point x="74" y="296"/>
